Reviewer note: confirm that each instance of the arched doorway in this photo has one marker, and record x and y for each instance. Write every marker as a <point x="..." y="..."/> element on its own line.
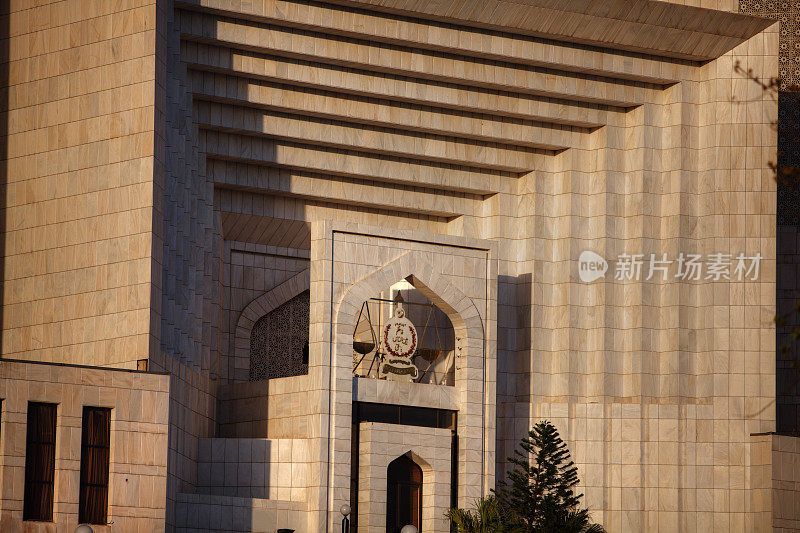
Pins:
<point x="403" y="494"/>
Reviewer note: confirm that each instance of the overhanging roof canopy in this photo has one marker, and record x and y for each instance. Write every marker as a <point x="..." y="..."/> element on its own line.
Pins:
<point x="645" y="26"/>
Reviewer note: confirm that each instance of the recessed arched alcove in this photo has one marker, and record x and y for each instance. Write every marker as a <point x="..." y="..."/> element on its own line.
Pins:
<point x="273" y="331"/>
<point x="428" y="273"/>
<point x="272" y="364"/>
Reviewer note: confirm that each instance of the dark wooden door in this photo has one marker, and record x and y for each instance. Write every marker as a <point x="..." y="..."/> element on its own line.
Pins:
<point x="403" y="495"/>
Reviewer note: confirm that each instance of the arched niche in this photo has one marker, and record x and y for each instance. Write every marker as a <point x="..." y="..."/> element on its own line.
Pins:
<point x="471" y="376"/>
<point x="272" y="300"/>
<point x="433" y="359"/>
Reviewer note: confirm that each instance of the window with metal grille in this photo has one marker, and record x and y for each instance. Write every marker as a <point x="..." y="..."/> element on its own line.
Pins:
<point x="40" y="462"/>
<point x="95" y="448"/>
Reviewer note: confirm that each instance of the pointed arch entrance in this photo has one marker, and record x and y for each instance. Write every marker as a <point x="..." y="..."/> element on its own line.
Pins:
<point x="403" y="494"/>
<point x="460" y="281"/>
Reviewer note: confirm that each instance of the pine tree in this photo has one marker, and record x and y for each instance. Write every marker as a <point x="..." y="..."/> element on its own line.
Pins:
<point x="540" y="493"/>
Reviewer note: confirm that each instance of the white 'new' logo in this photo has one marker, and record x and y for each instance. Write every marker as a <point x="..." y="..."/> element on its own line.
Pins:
<point x="591" y="266"/>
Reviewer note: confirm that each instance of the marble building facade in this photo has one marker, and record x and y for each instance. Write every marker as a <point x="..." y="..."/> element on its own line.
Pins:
<point x="202" y="197"/>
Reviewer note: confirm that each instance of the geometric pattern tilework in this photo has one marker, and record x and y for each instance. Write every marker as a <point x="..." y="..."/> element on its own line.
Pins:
<point x="249" y="272"/>
<point x="279" y="339"/>
<point x="787" y="12"/>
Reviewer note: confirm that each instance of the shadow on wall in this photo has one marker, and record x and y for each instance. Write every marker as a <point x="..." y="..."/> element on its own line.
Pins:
<point x="788" y="266"/>
<point x="235" y="467"/>
<point x="514" y="363"/>
<point x="242" y="410"/>
<point x="5" y="21"/>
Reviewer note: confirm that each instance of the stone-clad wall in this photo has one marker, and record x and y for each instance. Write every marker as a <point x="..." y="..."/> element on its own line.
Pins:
<point x="186" y="236"/>
<point x="722" y="5"/>
<point x="775" y="475"/>
<point x="185" y="312"/>
<point x="275" y="408"/>
<point x="351" y="263"/>
<point x="785" y="483"/>
<point x="192" y="413"/>
<point x="681" y="372"/>
<point x="275" y="469"/>
<point x="249" y="272"/>
<point x="242" y="410"/>
<point x="79" y="197"/>
<point x="212" y="513"/>
<point x="448" y="139"/>
<point x="429" y="448"/>
<point x="138" y="460"/>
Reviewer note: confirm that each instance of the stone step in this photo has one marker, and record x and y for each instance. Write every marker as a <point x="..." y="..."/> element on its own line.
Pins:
<point x="206" y="512"/>
<point x="254" y="468"/>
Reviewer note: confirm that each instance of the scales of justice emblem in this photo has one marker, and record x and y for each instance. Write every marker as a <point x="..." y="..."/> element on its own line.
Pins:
<point x="399" y="340"/>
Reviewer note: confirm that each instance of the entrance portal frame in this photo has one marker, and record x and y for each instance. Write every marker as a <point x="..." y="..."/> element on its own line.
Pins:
<point x="351" y="263"/>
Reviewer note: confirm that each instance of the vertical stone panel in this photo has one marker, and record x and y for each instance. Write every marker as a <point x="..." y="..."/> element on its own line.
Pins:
<point x="79" y="166"/>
